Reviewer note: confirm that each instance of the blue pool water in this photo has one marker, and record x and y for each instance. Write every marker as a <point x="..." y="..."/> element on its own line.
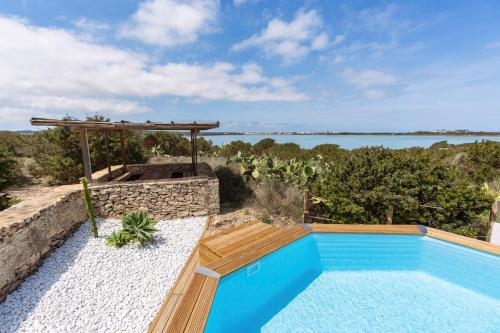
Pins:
<point x="362" y="283"/>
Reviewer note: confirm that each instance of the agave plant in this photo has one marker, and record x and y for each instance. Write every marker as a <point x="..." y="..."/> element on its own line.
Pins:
<point x="139" y="227"/>
<point x="118" y="238"/>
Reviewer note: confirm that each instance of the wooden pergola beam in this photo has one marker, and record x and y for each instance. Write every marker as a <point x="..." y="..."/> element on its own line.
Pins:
<point x="116" y="126"/>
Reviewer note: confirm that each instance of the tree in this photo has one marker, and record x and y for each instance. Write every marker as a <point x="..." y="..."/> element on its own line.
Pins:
<point x="7" y="174"/>
<point x="59" y="154"/>
<point x="231" y="149"/>
<point x="362" y="188"/>
<point x="263" y="146"/>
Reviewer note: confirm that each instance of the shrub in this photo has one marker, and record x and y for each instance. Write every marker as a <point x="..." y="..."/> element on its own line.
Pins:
<point x="263" y="146"/>
<point x="276" y="198"/>
<point x="231" y="149"/>
<point x="233" y="191"/>
<point x="7" y="168"/>
<point x="7" y="175"/>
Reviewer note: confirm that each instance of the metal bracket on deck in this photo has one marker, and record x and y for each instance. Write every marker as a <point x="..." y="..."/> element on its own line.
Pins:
<point x="423" y="228"/>
<point x="305" y="226"/>
<point x="208" y="272"/>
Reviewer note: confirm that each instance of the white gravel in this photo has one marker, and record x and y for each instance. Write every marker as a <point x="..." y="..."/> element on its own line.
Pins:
<point x="88" y="286"/>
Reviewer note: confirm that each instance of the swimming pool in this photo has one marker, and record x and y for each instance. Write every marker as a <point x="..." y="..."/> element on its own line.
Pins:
<point x="326" y="282"/>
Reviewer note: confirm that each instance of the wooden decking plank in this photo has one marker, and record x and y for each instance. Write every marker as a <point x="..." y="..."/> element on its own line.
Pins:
<point x="202" y="307"/>
<point x="226" y="231"/>
<point x="247" y="242"/>
<point x="175" y="293"/>
<point x="252" y="256"/>
<point x="236" y="237"/>
<point x="207" y="255"/>
<point x="366" y="228"/>
<point x="281" y="233"/>
<point x="226" y="236"/>
<point x="186" y="305"/>
<point x="164" y="315"/>
<point x="462" y="240"/>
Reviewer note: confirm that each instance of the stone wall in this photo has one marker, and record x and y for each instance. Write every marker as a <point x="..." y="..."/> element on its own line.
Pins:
<point x="31" y="229"/>
<point x="163" y="199"/>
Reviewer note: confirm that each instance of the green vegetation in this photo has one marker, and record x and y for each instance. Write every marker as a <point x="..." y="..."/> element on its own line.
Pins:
<point x="7" y="174"/>
<point x="137" y="227"/>
<point x="445" y="186"/>
<point x="441" y="187"/>
<point x="88" y="206"/>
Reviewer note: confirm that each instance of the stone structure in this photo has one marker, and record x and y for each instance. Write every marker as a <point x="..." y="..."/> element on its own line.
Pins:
<point x="101" y="176"/>
<point x="162" y="198"/>
<point x="31" y="229"/>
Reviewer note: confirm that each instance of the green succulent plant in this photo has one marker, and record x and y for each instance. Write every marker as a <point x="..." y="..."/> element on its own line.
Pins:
<point x="137" y="227"/>
<point x="118" y="238"/>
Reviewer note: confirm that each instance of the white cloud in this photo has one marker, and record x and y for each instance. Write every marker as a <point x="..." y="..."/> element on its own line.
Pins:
<point x="239" y="2"/>
<point x="170" y="22"/>
<point x="368" y="78"/>
<point x="289" y="40"/>
<point x="370" y="81"/>
<point x="89" y="25"/>
<point x="493" y="45"/>
<point x="52" y="70"/>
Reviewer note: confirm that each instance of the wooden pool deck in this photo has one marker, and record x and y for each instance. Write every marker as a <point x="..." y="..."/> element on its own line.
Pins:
<point x="220" y="252"/>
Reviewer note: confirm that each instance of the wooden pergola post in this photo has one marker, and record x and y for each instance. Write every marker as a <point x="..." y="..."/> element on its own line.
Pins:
<point x="122" y="150"/>
<point x="108" y="159"/>
<point x="84" y="143"/>
<point x="495" y="208"/>
<point x="194" y="152"/>
<point x="307" y="206"/>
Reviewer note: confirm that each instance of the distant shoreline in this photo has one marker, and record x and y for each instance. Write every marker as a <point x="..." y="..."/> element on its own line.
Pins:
<point x="444" y="134"/>
<point x="463" y="133"/>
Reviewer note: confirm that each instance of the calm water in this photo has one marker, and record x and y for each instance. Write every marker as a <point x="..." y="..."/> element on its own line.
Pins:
<point x="353" y="141"/>
<point x="362" y="283"/>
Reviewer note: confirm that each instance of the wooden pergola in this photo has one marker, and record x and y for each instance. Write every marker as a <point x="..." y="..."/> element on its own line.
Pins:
<point x="84" y="126"/>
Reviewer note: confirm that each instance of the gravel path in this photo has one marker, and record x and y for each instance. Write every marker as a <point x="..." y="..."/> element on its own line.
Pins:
<point x="87" y="286"/>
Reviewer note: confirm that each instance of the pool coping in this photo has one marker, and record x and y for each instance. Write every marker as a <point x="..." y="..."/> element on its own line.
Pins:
<point x="187" y="305"/>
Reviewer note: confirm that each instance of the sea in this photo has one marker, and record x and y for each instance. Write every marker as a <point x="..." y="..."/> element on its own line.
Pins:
<point x="353" y="141"/>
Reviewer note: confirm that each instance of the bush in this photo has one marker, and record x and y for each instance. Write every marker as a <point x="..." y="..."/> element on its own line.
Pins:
<point x="233" y="148"/>
<point x="7" y="175"/>
<point x="7" y="168"/>
<point x="361" y="188"/>
<point x="263" y="146"/>
<point x="233" y="191"/>
<point x="482" y="161"/>
<point x="276" y="198"/>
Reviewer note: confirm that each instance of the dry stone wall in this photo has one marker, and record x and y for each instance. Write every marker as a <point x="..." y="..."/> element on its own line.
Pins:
<point x="165" y="199"/>
<point x="30" y="230"/>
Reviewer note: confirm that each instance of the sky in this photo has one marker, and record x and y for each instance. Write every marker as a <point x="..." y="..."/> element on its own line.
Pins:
<point x="256" y="65"/>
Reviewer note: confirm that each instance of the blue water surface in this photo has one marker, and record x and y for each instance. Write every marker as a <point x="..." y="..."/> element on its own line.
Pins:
<point x="354" y="141"/>
<point x="362" y="283"/>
